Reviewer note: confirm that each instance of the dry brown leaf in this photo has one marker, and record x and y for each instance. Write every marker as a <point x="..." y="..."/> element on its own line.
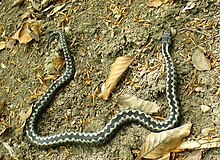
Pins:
<point x="23" y="34"/>
<point x="130" y="101"/>
<point x="2" y="45"/>
<point x="29" y="30"/>
<point x="154" y="3"/>
<point x="157" y="145"/>
<point x="117" y="70"/>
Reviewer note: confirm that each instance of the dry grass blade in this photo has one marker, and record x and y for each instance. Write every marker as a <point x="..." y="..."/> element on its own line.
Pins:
<point x="130" y="101"/>
<point x="117" y="70"/>
<point x="157" y="145"/>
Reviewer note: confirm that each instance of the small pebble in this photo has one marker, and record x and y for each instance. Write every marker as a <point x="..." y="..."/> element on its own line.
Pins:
<point x="205" y="131"/>
<point x="205" y="108"/>
<point x="200" y="61"/>
<point x="3" y="66"/>
<point x="200" y="89"/>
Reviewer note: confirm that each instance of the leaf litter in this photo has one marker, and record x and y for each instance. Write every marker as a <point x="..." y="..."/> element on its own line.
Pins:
<point x="128" y="101"/>
<point x="117" y="70"/>
<point x="157" y="145"/>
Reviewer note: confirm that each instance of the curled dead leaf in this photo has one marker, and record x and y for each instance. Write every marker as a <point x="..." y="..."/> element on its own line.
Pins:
<point x="23" y="34"/>
<point x="29" y="30"/>
<point x="117" y="70"/>
<point x="157" y="145"/>
<point x="130" y="101"/>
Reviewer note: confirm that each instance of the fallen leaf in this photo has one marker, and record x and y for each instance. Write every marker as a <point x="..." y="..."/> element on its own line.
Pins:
<point x="157" y="145"/>
<point x="130" y="101"/>
<point x="117" y="70"/>
<point x="2" y="45"/>
<point x="23" y="34"/>
<point x="29" y="30"/>
<point x="153" y="3"/>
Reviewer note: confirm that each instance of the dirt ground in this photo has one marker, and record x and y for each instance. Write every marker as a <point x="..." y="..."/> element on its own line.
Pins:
<point x="98" y="32"/>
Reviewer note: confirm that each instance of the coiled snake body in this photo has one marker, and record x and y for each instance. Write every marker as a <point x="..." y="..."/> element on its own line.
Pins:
<point x="129" y="115"/>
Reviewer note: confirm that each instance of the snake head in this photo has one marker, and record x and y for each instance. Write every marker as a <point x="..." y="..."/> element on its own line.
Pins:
<point x="167" y="36"/>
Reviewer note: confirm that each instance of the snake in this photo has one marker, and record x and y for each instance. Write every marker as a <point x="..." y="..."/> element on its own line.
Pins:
<point x="117" y="121"/>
